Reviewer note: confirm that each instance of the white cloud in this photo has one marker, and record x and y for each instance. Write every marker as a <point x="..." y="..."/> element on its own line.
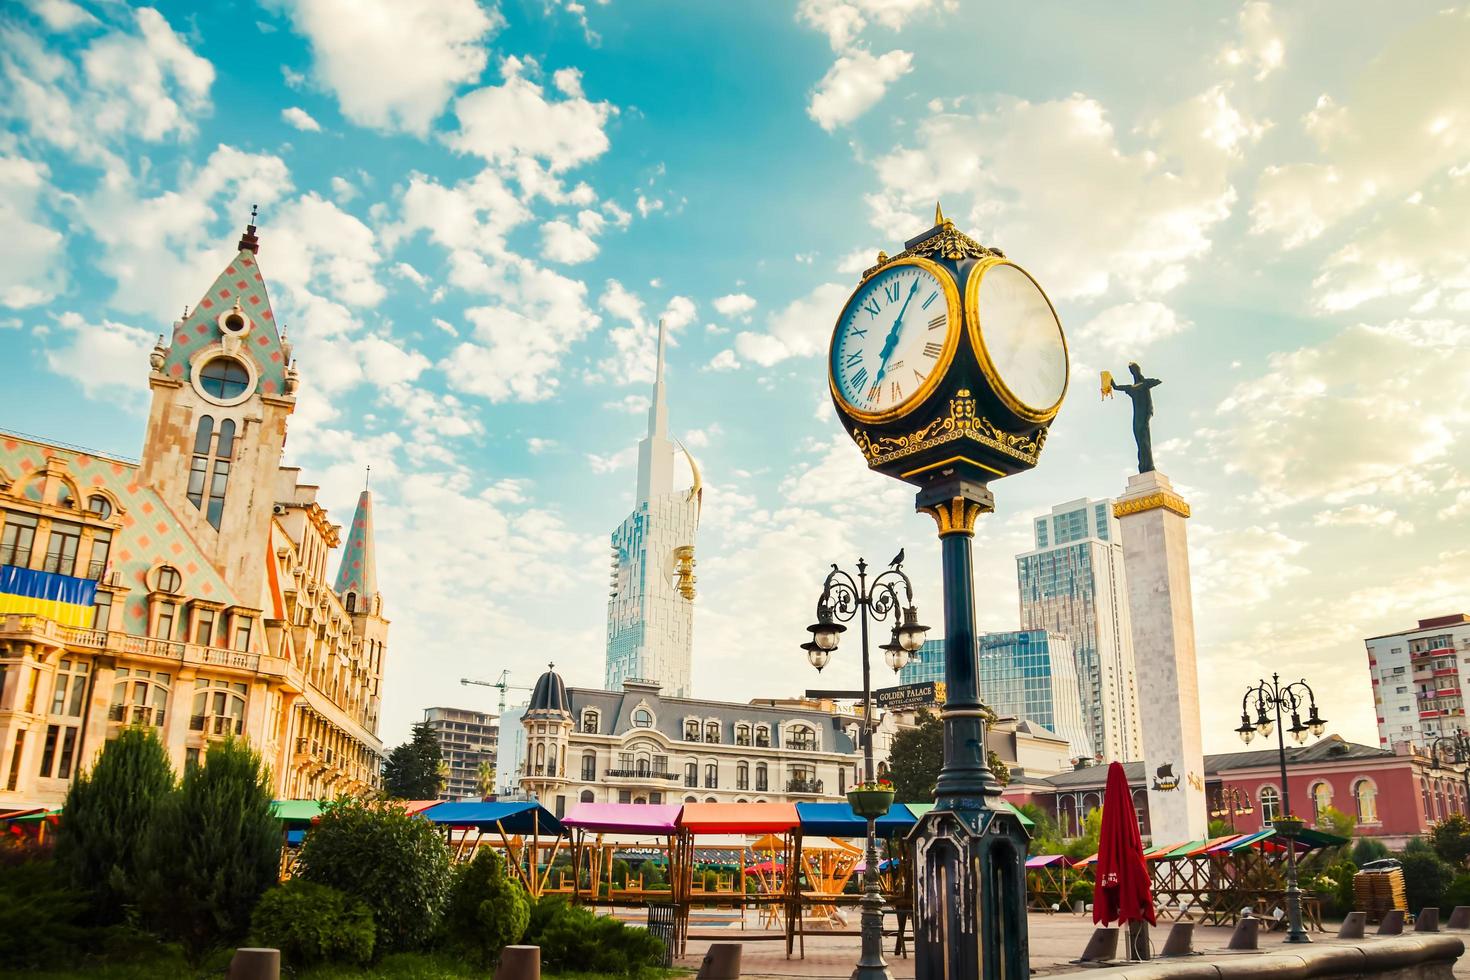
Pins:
<point x="1260" y="45"/>
<point x="725" y="360"/>
<point x="103" y="356"/>
<point x="60" y="15"/>
<point x="503" y="123"/>
<point x="800" y="329"/>
<point x="536" y="445"/>
<point x="635" y="340"/>
<point x="405" y="271"/>
<point x="314" y="243"/>
<point x="854" y="84"/>
<point x="562" y="242"/>
<point x="1131" y="327"/>
<point x="612" y="462"/>
<point x="343" y="190"/>
<point x="1364" y="515"/>
<point x="734" y="305"/>
<point x="300" y="119"/>
<point x="31" y="251"/>
<point x="843" y="20"/>
<point x="393" y="64"/>
<point x="629" y="404"/>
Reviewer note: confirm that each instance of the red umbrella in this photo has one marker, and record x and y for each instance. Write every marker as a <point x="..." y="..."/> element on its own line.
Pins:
<point x="1122" y="891"/>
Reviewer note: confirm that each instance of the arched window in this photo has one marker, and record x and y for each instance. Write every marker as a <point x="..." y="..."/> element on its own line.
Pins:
<point x="691" y="730"/>
<point x="763" y="736"/>
<point x="589" y="766"/>
<point x="711" y="799"/>
<point x="712" y="732"/>
<point x="1321" y="800"/>
<point x="540" y="759"/>
<point x="225" y="447"/>
<point x="1365" y="798"/>
<point x="760" y="777"/>
<point x="202" y="434"/>
<point x="801" y="737"/>
<point x="691" y="799"/>
<point x="1270" y="804"/>
<point x="742" y="734"/>
<point x="209" y="472"/>
<point x="641" y="766"/>
<point x="99" y="506"/>
<point x="219" y="707"/>
<point x="139" y="697"/>
<point x="590" y="721"/>
<point x="643" y="718"/>
<point x="349" y="603"/>
<point x="711" y="776"/>
<point x="691" y="774"/>
<point x="742" y="776"/>
<point x="586" y="796"/>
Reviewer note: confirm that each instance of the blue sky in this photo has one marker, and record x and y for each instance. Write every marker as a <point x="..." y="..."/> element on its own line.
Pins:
<point x="473" y="214"/>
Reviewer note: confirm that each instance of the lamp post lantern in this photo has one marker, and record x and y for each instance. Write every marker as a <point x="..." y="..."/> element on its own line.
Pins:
<point x="1274" y="697"/>
<point x="1232" y="802"/>
<point x="1454" y="750"/>
<point x="843" y="599"/>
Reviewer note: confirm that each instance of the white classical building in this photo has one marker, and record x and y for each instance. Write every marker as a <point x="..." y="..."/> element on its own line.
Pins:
<point x="650" y="608"/>
<point x="1073" y="583"/>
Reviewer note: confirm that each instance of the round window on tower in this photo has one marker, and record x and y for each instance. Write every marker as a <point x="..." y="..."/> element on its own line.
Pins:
<point x="234" y="322"/>
<point x="225" y="380"/>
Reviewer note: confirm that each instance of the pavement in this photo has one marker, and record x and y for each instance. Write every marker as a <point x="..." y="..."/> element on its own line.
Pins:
<point x="1056" y="941"/>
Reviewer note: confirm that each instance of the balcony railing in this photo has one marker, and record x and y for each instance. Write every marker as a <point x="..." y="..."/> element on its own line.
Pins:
<point x="216" y="725"/>
<point x="11" y="555"/>
<point x="692" y="782"/>
<point x="114" y="641"/>
<point x="804" y="786"/>
<point x="136" y="714"/>
<point x="640" y="774"/>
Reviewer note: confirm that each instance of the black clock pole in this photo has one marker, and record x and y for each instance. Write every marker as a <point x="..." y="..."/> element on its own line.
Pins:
<point x="966" y="925"/>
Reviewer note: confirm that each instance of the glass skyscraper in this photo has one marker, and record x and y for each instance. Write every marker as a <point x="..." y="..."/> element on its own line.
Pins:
<point x="1073" y="584"/>
<point x="1028" y="674"/>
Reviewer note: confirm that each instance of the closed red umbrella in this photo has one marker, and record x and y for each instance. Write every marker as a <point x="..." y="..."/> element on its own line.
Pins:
<point x="1122" y="891"/>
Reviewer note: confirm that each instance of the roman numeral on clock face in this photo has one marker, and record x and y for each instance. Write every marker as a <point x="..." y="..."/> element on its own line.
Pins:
<point x="860" y="379"/>
<point x="938" y="321"/>
<point x="890" y="292"/>
<point x="854" y="359"/>
<point x="872" y="307"/>
<point x="895" y="391"/>
<point x="932" y="349"/>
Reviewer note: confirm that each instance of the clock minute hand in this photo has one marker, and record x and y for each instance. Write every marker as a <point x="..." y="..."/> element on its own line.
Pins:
<point x="892" y="339"/>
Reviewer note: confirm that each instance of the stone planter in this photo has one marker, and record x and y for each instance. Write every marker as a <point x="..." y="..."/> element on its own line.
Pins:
<point x="870" y="803"/>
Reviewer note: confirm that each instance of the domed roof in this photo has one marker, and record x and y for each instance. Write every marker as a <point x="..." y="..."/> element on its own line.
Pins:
<point x="550" y="694"/>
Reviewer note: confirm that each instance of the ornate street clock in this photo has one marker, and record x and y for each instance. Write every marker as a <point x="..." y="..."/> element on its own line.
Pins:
<point x="948" y="360"/>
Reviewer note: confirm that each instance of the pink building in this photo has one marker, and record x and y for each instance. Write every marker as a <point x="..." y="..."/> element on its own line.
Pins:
<point x="1395" y="795"/>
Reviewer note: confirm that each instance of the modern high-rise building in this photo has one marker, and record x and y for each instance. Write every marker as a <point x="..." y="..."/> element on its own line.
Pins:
<point x="1416" y="680"/>
<point x="189" y="591"/>
<point x="1073" y="583"/>
<point x="1027" y="674"/>
<point x="650" y="608"/>
<point x="468" y="740"/>
<point x="1031" y="674"/>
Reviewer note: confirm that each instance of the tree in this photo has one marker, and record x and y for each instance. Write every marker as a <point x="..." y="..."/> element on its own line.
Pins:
<point x="917" y="755"/>
<point x="1450" y="839"/>
<point x="214" y="850"/>
<point x="1333" y="821"/>
<point x="108" y="815"/>
<point x="487" y="911"/>
<point x="1426" y="875"/>
<point x="397" y="865"/>
<point x="1086" y="845"/>
<point x="413" y="769"/>
<point x="485" y="778"/>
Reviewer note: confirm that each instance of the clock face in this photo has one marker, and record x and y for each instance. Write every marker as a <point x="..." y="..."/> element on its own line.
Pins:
<point x="1019" y="339"/>
<point x="894" y="339"/>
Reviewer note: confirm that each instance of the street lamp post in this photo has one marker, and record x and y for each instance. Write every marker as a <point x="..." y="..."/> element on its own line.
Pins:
<point x="1455" y="750"/>
<point x="843" y="598"/>
<point x="1232" y="802"/>
<point x="1274" y="696"/>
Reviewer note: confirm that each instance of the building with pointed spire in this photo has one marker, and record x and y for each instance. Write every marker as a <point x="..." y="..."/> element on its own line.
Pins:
<point x="189" y="591"/>
<point x="650" y="609"/>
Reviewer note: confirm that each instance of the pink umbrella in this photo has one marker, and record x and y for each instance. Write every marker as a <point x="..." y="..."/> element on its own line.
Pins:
<point x="1122" y="891"/>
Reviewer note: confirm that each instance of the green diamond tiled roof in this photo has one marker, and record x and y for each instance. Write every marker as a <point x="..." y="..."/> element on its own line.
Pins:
<point x="150" y="534"/>
<point x="240" y="282"/>
<point x="359" y="570"/>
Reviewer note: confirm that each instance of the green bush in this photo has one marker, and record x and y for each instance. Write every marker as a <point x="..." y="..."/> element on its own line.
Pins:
<point x="215" y="847"/>
<point x="395" y="864"/>
<point x="620" y="872"/>
<point x="1367" y="849"/>
<point x="1457" y="892"/>
<point x="312" y="923"/>
<point x="1426" y="877"/>
<point x="1335" y="884"/>
<point x="109" y="812"/>
<point x="573" y="938"/>
<point x="487" y="911"/>
<point x="711" y="881"/>
<point x="1081" y="891"/>
<point x="39" y="916"/>
<point x="1450" y="839"/>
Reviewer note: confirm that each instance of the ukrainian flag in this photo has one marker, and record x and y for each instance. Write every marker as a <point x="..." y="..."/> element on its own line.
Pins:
<point x="64" y="598"/>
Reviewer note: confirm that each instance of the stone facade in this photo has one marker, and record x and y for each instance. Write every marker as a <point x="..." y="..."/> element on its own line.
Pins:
<point x="213" y="612"/>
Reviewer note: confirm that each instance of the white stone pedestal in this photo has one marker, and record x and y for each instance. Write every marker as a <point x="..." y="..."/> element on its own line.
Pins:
<point x="1161" y="603"/>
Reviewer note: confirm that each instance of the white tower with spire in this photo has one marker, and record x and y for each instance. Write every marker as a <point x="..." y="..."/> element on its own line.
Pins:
<point x="650" y="609"/>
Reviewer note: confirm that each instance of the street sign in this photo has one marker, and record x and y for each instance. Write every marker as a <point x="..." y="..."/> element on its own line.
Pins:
<point x="911" y="695"/>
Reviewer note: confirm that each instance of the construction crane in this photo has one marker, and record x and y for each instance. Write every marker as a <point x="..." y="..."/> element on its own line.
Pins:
<point x="502" y="685"/>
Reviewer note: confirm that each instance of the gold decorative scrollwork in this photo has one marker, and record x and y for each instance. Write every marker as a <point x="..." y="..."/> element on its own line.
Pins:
<point x="1160" y="500"/>
<point x="956" y="516"/>
<point x="961" y="421"/>
<point x="946" y="243"/>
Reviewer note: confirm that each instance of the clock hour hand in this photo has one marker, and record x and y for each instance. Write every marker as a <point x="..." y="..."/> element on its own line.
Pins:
<point x="891" y="341"/>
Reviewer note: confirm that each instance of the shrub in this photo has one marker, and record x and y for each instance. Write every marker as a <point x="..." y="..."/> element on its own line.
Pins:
<point x="487" y="911"/>
<point x="1335" y="884"/>
<point x="109" y="812"/>
<point x="395" y="864"/>
<point x="312" y="923"/>
<point x="1081" y="891"/>
<point x="620" y="871"/>
<point x="214" y="850"/>
<point x="1457" y="892"/>
<point x="1425" y="877"/>
<point x="39" y="916"/>
<point x="573" y="938"/>
<point x="1450" y="839"/>
<point x="1367" y="849"/>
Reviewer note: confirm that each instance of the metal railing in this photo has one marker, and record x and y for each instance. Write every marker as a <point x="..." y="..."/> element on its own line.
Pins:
<point x="804" y="786"/>
<point x="641" y="774"/>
